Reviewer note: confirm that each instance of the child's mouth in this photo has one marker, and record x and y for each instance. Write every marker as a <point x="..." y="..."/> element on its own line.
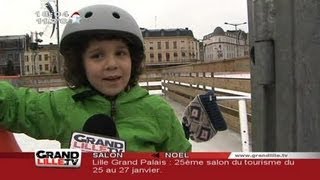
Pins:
<point x="112" y="78"/>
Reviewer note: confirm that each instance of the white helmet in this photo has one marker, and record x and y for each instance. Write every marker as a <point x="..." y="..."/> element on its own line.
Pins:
<point x="101" y="19"/>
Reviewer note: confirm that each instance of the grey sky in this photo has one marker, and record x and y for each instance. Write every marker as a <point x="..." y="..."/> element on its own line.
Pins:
<point x="201" y="16"/>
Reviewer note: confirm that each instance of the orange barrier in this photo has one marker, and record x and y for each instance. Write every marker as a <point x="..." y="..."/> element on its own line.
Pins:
<point x="8" y="142"/>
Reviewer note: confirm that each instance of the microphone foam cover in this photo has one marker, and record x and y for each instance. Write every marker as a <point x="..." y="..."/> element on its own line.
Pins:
<point x="100" y="124"/>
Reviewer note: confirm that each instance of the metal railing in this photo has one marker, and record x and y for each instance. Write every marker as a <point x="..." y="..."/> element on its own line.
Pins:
<point x="243" y="119"/>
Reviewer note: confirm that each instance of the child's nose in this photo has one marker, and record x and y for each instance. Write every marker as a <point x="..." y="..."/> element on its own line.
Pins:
<point x="111" y="63"/>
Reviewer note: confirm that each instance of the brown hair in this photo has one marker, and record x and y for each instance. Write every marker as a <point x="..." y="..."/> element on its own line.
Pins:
<point x="74" y="72"/>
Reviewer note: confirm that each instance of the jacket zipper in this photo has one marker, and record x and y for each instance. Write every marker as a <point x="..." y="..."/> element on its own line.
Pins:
<point x="113" y="109"/>
<point x="113" y="113"/>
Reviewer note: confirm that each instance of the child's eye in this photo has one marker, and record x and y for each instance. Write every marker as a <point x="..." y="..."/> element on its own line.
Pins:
<point x="122" y="53"/>
<point x="96" y="56"/>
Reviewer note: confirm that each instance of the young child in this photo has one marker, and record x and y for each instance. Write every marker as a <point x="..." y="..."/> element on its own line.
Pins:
<point x="104" y="56"/>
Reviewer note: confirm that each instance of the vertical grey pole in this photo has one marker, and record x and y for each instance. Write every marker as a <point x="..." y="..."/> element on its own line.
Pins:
<point x="58" y="38"/>
<point x="285" y="74"/>
<point x="261" y="23"/>
<point x="298" y="76"/>
<point x="57" y="16"/>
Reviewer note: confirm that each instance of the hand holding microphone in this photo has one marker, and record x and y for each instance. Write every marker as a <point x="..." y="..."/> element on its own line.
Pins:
<point x="99" y="134"/>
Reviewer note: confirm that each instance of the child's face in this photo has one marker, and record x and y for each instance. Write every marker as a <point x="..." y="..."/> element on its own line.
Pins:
<point x="108" y="65"/>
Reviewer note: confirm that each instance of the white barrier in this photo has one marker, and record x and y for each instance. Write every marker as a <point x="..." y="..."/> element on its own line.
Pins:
<point x="243" y="119"/>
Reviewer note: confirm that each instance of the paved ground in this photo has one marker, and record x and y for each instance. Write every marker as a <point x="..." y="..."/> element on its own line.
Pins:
<point x="225" y="141"/>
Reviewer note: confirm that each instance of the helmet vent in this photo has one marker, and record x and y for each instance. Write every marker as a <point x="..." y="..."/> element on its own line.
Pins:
<point x="88" y="14"/>
<point x="116" y="15"/>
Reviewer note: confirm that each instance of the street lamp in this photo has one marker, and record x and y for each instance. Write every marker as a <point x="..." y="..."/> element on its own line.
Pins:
<point x="235" y="25"/>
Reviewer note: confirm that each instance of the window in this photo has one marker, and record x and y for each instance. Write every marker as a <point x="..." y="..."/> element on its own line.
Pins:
<point x="162" y="32"/>
<point x="46" y="57"/>
<point x="27" y="58"/>
<point x="151" y="55"/>
<point x="46" y="67"/>
<point x="183" y="54"/>
<point x="40" y="67"/>
<point x="159" y="57"/>
<point x="16" y="56"/>
<point x="168" y="56"/>
<point x="40" y="57"/>
<point x="159" y="45"/>
<point x="174" y="44"/>
<point x="167" y="45"/>
<point x="175" y="54"/>
<point x="10" y="57"/>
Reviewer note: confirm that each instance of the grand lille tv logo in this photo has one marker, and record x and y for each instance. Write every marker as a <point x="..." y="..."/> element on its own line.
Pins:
<point x="68" y="158"/>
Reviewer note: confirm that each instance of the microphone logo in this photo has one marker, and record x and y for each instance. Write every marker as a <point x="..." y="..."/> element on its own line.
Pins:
<point x="88" y="142"/>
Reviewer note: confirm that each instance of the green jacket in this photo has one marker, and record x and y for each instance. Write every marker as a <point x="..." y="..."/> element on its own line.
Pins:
<point x="146" y="122"/>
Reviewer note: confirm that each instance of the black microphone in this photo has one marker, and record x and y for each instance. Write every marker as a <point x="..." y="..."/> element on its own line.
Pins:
<point x="100" y="124"/>
<point x="99" y="134"/>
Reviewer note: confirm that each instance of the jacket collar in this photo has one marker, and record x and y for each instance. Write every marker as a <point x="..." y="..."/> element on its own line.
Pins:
<point x="84" y="93"/>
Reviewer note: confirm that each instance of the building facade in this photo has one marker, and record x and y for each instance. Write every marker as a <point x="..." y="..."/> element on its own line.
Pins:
<point x="42" y="61"/>
<point x="12" y="49"/>
<point x="221" y="45"/>
<point x="170" y="46"/>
